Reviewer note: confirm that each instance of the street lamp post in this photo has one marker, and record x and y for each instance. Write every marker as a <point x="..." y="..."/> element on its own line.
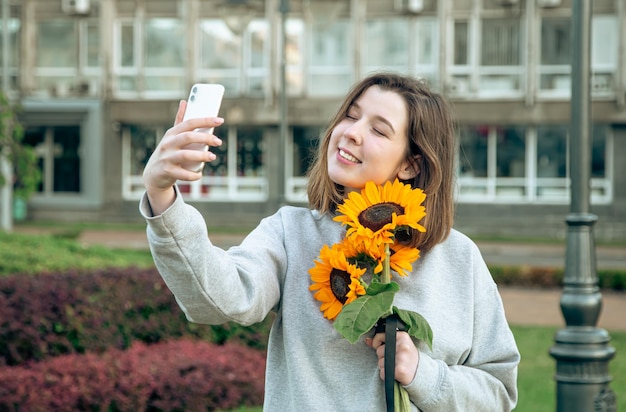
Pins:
<point x="283" y="8"/>
<point x="581" y="350"/>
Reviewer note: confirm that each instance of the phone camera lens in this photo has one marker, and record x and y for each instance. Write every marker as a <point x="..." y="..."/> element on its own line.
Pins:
<point x="195" y="89"/>
<point x="192" y="98"/>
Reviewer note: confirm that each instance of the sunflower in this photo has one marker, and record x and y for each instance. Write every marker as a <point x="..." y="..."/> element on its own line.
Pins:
<point x="402" y="257"/>
<point x="373" y="215"/>
<point x="336" y="281"/>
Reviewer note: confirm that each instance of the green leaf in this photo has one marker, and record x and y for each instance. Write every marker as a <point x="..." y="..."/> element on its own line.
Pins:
<point x="360" y="315"/>
<point x="417" y="325"/>
<point x="377" y="287"/>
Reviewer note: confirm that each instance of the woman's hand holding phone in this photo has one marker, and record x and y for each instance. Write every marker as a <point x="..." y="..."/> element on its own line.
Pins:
<point x="183" y="150"/>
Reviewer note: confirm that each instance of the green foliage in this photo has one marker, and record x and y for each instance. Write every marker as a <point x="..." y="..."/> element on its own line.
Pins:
<point x="417" y="326"/>
<point x="613" y="279"/>
<point x="30" y="254"/>
<point x="26" y="173"/>
<point x="359" y="316"/>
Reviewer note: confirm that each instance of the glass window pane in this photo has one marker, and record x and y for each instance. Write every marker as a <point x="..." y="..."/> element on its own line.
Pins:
<point x="473" y="151"/>
<point x="219" y="166"/>
<point x="387" y="42"/>
<point x="67" y="159"/>
<point x="511" y="152"/>
<point x="461" y="45"/>
<point x="143" y="141"/>
<point x="221" y="49"/>
<point x="500" y="42"/>
<point x="164" y="43"/>
<point x="93" y="45"/>
<point x="329" y="84"/>
<point x="598" y="151"/>
<point x="127" y="83"/>
<point x="13" y="28"/>
<point x="305" y="140"/>
<point x="57" y="44"/>
<point x="259" y="34"/>
<point x="250" y="152"/>
<point x="330" y="45"/>
<point x="427" y="52"/>
<point x="555" y="41"/>
<point x="295" y="56"/>
<point x="162" y="83"/>
<point x="551" y="151"/>
<point x="604" y="41"/>
<point x="127" y="46"/>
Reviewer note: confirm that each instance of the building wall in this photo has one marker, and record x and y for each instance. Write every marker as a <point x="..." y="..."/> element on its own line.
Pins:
<point x="106" y="116"/>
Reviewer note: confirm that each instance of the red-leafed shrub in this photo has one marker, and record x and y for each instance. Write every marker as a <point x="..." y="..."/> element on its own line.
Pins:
<point x="77" y="312"/>
<point x="178" y="375"/>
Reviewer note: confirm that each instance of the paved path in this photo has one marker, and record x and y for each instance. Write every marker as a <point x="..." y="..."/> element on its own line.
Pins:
<point x="524" y="306"/>
<point x="541" y="307"/>
<point x="512" y="254"/>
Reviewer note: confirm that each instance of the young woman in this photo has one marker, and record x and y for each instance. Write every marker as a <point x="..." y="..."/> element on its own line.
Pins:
<point x="389" y="127"/>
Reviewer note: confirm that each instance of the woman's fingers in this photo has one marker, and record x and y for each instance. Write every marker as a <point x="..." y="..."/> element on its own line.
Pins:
<point x="407" y="356"/>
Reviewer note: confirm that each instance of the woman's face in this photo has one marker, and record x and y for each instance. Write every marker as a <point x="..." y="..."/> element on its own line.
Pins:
<point x="371" y="143"/>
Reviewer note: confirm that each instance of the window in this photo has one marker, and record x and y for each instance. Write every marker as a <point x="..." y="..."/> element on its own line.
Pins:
<point x="9" y="53"/>
<point x="59" y="153"/>
<point x="68" y="57"/>
<point x="150" y="57"/>
<point x="401" y="45"/>
<point x="604" y="54"/>
<point x="386" y="45"/>
<point x="164" y="55"/>
<point x="555" y="58"/>
<point x="500" y="56"/>
<point x="238" y="173"/>
<point x="555" y="55"/>
<point x="294" y="55"/>
<point x="330" y="62"/>
<point x="486" y="55"/>
<point x="221" y="52"/>
<point x="514" y="164"/>
<point x="552" y="169"/>
<point x="239" y="62"/>
<point x="301" y="151"/>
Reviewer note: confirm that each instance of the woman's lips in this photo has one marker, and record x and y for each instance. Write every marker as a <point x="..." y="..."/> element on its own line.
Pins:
<point x="348" y="156"/>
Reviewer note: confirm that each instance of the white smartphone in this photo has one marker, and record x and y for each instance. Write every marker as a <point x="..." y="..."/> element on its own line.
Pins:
<point x="204" y="101"/>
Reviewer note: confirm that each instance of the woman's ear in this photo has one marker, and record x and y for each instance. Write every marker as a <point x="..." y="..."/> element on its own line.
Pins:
<point x="410" y="168"/>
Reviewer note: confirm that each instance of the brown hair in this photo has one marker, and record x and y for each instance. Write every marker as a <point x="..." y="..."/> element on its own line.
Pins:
<point x="431" y="136"/>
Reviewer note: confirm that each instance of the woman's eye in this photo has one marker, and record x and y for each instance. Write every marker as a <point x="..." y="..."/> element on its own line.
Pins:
<point x="351" y="116"/>
<point x="378" y="132"/>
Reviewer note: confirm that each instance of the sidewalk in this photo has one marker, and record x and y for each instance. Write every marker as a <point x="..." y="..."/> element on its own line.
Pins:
<point x="500" y="254"/>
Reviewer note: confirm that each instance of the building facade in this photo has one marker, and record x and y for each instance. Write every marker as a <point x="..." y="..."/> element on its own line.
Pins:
<point x="98" y="83"/>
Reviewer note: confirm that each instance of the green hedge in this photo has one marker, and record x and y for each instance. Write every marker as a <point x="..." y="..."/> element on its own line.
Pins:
<point x="552" y="277"/>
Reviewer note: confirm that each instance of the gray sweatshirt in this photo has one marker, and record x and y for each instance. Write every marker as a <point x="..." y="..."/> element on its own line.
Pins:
<point x="310" y="367"/>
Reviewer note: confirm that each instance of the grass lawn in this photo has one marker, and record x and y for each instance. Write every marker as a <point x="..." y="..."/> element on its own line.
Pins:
<point x="536" y="384"/>
<point x="31" y="254"/>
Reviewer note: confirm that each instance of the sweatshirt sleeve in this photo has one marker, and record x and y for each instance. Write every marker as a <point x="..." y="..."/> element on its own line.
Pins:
<point x="487" y="378"/>
<point x="212" y="285"/>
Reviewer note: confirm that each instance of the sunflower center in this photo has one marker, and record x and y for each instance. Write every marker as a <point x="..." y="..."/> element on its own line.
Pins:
<point x="340" y="284"/>
<point x="377" y="216"/>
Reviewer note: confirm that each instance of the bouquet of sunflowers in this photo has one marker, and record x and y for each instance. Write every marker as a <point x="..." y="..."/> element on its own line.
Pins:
<point x="352" y="279"/>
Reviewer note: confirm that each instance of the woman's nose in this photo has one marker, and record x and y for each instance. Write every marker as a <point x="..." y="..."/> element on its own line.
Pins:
<point x="354" y="132"/>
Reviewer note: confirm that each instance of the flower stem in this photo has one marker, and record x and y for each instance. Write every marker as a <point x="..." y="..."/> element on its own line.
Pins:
<point x="386" y="275"/>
